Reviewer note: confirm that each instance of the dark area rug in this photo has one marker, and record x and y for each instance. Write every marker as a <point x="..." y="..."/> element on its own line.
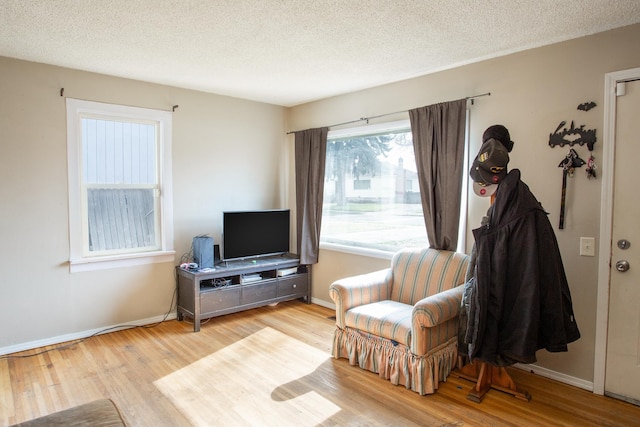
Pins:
<point x="99" y="413"/>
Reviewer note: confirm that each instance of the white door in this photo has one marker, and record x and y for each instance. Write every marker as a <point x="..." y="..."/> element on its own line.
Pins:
<point x="622" y="377"/>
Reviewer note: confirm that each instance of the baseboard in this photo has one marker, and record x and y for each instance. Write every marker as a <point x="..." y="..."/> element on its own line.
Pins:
<point x="323" y="303"/>
<point x="558" y="376"/>
<point x="83" y="334"/>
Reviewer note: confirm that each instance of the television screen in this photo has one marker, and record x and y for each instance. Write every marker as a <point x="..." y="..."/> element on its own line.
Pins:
<point x="255" y="233"/>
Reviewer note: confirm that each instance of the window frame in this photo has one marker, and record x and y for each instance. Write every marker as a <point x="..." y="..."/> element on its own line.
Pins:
<point x="79" y="258"/>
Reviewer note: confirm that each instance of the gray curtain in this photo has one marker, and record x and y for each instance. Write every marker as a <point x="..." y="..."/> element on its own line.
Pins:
<point x="310" y="158"/>
<point x="438" y="142"/>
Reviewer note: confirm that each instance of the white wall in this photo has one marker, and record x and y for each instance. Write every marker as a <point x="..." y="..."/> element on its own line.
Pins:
<point x="227" y="154"/>
<point x="531" y="93"/>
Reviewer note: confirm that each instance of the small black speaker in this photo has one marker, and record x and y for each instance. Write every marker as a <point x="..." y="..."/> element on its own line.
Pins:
<point x="216" y="255"/>
<point x="203" y="251"/>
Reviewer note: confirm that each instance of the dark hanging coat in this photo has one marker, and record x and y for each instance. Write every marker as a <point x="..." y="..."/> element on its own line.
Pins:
<point x="519" y="299"/>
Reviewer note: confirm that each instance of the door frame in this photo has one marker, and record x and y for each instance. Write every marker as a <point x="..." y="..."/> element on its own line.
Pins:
<point x="606" y="221"/>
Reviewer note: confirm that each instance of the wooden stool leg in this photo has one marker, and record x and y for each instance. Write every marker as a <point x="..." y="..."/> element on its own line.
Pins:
<point x="483" y="384"/>
<point x="487" y="377"/>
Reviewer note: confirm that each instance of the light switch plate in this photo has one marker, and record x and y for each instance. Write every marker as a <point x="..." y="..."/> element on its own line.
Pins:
<point x="587" y="246"/>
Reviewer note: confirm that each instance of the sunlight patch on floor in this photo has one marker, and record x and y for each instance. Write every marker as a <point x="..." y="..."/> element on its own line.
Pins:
<point x="259" y="380"/>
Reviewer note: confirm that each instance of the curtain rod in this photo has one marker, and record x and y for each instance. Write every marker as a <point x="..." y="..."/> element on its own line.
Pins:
<point x="363" y="119"/>
<point x="173" y="108"/>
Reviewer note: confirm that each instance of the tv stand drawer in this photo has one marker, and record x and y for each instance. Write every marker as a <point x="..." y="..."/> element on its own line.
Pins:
<point x="258" y="292"/>
<point x="219" y="299"/>
<point x="296" y="284"/>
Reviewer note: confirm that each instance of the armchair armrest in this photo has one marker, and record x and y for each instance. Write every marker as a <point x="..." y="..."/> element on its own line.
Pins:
<point x="436" y="309"/>
<point x="359" y="290"/>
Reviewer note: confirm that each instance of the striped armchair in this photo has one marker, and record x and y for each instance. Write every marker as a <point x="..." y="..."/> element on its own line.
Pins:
<point x="402" y="322"/>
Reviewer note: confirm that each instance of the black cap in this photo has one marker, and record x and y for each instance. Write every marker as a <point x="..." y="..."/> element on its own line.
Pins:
<point x="489" y="167"/>
<point x="500" y="133"/>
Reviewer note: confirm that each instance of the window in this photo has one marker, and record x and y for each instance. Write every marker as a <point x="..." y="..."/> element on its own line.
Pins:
<point x="362" y="184"/>
<point x="120" y="204"/>
<point x="382" y="210"/>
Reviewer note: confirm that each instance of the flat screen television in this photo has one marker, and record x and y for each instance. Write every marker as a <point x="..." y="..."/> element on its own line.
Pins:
<point x="255" y="233"/>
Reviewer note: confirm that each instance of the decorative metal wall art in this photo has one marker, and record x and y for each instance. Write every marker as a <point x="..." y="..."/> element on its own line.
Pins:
<point x="571" y="136"/>
<point x="586" y="106"/>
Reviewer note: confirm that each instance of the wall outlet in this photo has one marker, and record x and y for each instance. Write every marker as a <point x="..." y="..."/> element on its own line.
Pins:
<point x="587" y="246"/>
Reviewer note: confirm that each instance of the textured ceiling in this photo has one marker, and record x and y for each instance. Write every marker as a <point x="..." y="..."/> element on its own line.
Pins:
<point x="288" y="52"/>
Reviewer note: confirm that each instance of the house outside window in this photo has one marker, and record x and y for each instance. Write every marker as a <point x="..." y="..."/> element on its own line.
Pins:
<point x="120" y="202"/>
<point x="382" y="210"/>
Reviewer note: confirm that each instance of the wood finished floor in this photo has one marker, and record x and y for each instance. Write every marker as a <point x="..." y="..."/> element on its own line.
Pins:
<point x="127" y="366"/>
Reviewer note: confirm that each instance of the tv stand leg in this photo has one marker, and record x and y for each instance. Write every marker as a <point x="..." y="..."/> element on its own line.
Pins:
<point x="196" y="309"/>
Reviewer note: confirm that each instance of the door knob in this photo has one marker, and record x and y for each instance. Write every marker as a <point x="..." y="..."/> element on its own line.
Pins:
<point x="622" y="265"/>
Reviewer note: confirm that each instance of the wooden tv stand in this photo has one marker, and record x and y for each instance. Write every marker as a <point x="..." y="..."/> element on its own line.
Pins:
<point x="232" y="286"/>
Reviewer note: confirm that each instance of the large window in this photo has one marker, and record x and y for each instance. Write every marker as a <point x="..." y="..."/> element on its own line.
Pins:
<point x="119" y="185"/>
<point x="371" y="192"/>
